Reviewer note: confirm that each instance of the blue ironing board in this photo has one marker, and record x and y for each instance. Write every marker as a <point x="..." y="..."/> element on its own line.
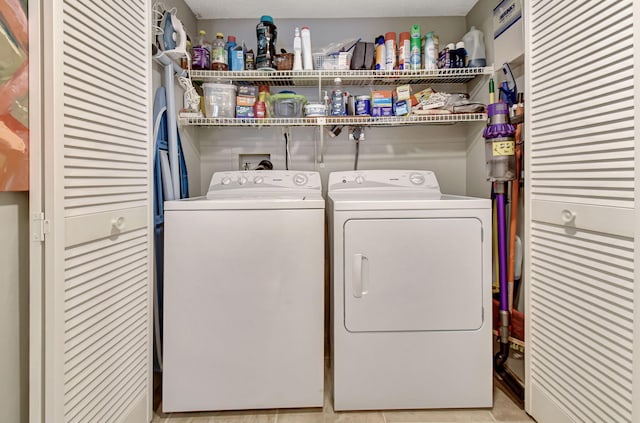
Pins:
<point x="162" y="143"/>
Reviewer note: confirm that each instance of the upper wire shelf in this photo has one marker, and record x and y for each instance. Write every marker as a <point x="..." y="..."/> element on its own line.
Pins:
<point x="348" y="77"/>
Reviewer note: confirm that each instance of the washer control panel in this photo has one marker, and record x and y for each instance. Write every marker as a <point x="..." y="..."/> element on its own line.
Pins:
<point x="423" y="180"/>
<point x="267" y="180"/>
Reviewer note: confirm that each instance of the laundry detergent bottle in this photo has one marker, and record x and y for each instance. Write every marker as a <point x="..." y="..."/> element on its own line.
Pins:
<point x="267" y="37"/>
<point x="474" y="46"/>
<point x="201" y="55"/>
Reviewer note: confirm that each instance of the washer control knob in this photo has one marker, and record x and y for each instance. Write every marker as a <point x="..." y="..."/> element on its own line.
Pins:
<point x="242" y="180"/>
<point x="416" y="178"/>
<point x="359" y="179"/>
<point x="300" y="179"/>
<point x="226" y="180"/>
<point x="258" y="180"/>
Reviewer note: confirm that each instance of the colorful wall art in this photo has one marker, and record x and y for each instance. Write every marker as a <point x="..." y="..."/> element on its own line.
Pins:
<point x="14" y="96"/>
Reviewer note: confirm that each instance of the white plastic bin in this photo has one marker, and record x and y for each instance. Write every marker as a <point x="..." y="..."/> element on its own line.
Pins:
<point x="219" y="100"/>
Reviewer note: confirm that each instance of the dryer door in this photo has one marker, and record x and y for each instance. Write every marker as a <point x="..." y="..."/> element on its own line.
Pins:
<point x="422" y="274"/>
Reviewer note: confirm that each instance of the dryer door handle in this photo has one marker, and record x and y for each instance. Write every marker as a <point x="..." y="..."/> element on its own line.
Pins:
<point x="360" y="264"/>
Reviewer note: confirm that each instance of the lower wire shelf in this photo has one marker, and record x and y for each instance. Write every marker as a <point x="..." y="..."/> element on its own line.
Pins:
<point x="337" y="120"/>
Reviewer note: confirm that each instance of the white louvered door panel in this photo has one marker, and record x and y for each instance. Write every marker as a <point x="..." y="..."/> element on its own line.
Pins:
<point x="581" y="134"/>
<point x="98" y="256"/>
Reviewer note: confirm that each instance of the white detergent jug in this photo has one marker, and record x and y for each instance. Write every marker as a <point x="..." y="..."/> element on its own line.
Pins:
<point x="474" y="44"/>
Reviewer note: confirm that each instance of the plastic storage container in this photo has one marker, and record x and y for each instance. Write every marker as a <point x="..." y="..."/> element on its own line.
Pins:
<point x="219" y="100"/>
<point x="286" y="105"/>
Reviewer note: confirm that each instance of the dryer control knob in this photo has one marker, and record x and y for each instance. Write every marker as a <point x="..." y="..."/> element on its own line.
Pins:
<point x="300" y="179"/>
<point x="416" y="178"/>
<point x="258" y="180"/>
<point x="242" y="180"/>
<point x="225" y="181"/>
<point x="359" y="179"/>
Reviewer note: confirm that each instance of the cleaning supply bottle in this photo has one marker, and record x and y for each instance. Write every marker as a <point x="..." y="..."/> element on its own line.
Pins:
<point x="390" y="48"/>
<point x="430" y="55"/>
<point x="404" y="51"/>
<point x="201" y="56"/>
<point x="461" y="55"/>
<point x="228" y="48"/>
<point x="297" y="50"/>
<point x="416" y="53"/>
<point x="209" y="48"/>
<point x="307" y="59"/>
<point x="474" y="45"/>
<point x="338" y="107"/>
<point x="219" y="54"/>
<point x="381" y="53"/>
<point x="267" y="34"/>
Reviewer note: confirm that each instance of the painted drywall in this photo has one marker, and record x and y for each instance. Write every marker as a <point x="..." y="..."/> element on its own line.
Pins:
<point x="190" y="146"/>
<point x="14" y="306"/>
<point x="481" y="16"/>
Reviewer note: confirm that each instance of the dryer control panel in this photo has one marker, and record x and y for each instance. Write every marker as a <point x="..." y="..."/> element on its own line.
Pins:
<point x="264" y="180"/>
<point x="422" y="180"/>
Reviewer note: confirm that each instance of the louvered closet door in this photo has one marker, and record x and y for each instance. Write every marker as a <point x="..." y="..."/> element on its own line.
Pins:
<point x="98" y="292"/>
<point x="581" y="136"/>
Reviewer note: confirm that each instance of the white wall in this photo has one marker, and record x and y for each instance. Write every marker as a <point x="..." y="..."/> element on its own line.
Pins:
<point x="14" y="306"/>
<point x="481" y="16"/>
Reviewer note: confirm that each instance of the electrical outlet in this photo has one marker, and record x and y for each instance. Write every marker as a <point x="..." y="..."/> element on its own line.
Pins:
<point x="251" y="161"/>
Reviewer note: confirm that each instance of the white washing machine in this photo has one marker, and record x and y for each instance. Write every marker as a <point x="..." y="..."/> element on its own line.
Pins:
<point x="244" y="294"/>
<point x="411" y="293"/>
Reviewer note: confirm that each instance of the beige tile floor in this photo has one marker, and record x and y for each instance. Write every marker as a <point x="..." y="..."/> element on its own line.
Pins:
<point x="504" y="411"/>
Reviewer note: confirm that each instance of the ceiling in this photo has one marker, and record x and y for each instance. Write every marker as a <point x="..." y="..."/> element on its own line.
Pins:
<point x="288" y="9"/>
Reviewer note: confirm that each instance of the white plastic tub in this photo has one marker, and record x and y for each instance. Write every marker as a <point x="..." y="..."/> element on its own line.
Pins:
<point x="219" y="100"/>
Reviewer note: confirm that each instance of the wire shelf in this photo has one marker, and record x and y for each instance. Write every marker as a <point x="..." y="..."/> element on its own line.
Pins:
<point x="348" y="77"/>
<point x="338" y="120"/>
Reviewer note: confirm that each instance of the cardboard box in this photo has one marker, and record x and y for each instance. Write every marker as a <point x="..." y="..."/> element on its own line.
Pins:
<point x="381" y="98"/>
<point x="244" y="112"/>
<point x="248" y="90"/>
<point x="403" y="92"/>
<point x="243" y="100"/>
<point x="402" y="107"/>
<point x="381" y="95"/>
<point x="236" y="61"/>
<point x="422" y="95"/>
<point x="382" y="111"/>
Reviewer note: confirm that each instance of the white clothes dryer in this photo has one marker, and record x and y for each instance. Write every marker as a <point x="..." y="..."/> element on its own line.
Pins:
<point x="244" y="294"/>
<point x="411" y="293"/>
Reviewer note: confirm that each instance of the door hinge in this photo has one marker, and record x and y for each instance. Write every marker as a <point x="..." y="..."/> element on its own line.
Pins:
<point x="40" y="227"/>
